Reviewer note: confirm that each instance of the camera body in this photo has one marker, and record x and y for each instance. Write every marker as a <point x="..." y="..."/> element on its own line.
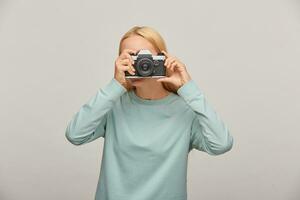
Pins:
<point x="147" y="65"/>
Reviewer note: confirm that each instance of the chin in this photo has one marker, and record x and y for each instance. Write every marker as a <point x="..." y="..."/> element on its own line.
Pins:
<point x="137" y="81"/>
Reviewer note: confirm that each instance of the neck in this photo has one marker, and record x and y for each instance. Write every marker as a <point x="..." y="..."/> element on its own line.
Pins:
<point x="151" y="90"/>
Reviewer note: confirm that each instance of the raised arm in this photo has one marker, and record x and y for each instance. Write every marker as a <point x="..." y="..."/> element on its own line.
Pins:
<point x="208" y="132"/>
<point x="89" y="123"/>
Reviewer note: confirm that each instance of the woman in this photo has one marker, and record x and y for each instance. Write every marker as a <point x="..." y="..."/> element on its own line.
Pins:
<point x="149" y="125"/>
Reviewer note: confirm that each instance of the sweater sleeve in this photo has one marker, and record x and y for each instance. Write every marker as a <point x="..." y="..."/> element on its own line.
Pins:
<point x="208" y="132"/>
<point x="89" y="123"/>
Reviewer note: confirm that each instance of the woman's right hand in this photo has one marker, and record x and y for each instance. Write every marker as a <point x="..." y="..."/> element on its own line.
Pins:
<point x="124" y="63"/>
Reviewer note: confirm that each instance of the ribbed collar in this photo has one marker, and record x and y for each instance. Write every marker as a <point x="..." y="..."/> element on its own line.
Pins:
<point x="152" y="101"/>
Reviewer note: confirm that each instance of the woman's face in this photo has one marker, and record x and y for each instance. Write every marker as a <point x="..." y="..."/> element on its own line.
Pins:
<point x="137" y="43"/>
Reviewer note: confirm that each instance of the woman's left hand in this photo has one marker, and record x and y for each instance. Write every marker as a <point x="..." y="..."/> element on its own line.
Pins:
<point x="176" y="70"/>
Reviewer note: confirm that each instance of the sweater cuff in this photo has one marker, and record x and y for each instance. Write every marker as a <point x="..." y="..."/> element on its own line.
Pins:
<point x="189" y="90"/>
<point x="113" y="90"/>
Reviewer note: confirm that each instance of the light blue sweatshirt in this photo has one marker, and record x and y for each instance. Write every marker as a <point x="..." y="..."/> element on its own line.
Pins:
<point x="147" y="142"/>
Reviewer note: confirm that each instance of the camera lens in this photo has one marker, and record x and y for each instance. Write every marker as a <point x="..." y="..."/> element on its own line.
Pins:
<point x="145" y="67"/>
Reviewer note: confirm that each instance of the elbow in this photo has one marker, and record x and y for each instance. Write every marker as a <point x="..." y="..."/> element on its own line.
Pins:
<point x="70" y="136"/>
<point x="72" y="140"/>
<point x="222" y="147"/>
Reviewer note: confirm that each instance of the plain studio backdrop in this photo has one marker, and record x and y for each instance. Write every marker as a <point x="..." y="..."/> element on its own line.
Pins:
<point x="244" y="55"/>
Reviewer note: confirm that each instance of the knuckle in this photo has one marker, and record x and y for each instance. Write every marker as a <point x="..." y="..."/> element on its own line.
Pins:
<point x="118" y="67"/>
<point x="126" y="51"/>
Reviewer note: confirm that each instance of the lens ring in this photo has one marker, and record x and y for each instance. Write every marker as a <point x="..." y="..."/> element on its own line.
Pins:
<point x="145" y="70"/>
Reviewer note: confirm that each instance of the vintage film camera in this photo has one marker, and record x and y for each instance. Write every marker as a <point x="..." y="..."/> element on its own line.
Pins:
<point x="147" y="65"/>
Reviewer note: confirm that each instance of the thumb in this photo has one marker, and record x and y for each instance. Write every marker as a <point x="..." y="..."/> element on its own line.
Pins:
<point x="165" y="79"/>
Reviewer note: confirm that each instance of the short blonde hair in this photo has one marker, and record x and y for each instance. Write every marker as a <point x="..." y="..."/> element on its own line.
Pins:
<point x="151" y="35"/>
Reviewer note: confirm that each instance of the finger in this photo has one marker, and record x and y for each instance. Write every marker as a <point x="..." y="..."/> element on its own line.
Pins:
<point x="129" y="51"/>
<point x="165" y="53"/>
<point x="166" y="61"/>
<point x="127" y="55"/>
<point x="170" y="62"/>
<point x="124" y="55"/>
<point x="124" y="64"/>
<point x="124" y="61"/>
<point x="173" y="65"/>
<point x="132" y="68"/>
<point x="128" y="68"/>
<point x="131" y="59"/>
<point x="128" y="63"/>
<point x="126" y="52"/>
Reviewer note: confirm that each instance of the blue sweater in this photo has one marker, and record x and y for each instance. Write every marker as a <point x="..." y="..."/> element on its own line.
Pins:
<point x="147" y="142"/>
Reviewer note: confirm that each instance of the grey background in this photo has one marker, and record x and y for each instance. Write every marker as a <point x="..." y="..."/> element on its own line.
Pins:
<point x="55" y="55"/>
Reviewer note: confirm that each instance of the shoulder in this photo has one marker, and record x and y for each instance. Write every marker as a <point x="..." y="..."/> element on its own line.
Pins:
<point x="181" y="105"/>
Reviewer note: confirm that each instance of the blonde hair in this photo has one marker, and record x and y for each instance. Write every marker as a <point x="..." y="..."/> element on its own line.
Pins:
<point x="157" y="42"/>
